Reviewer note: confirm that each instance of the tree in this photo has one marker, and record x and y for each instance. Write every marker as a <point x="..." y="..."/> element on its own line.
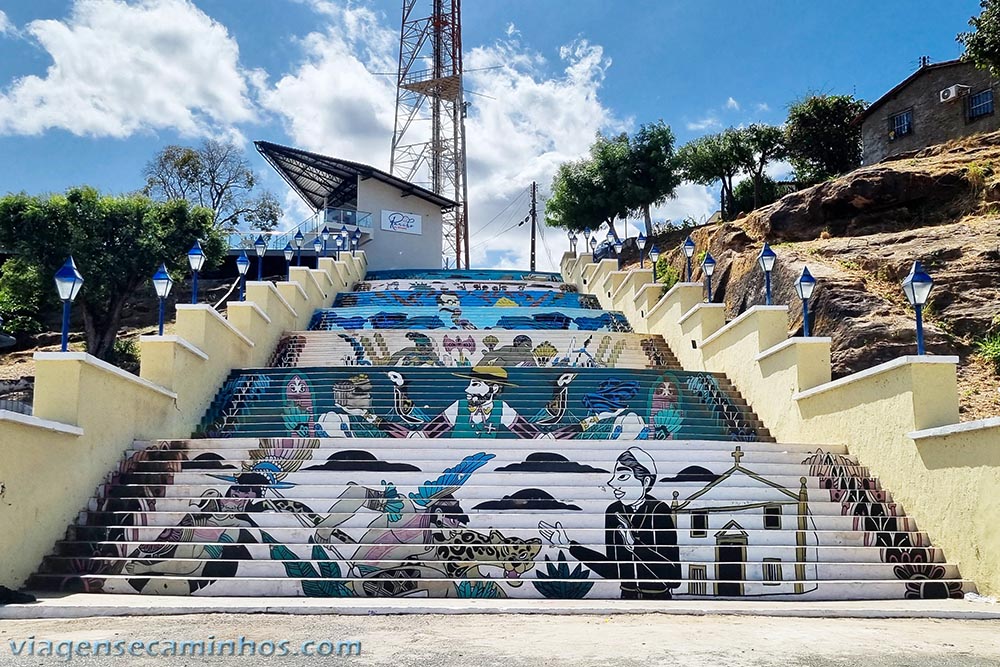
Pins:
<point x="653" y="169"/>
<point x="592" y="191"/>
<point x="746" y="192"/>
<point x="715" y="158"/>
<point x="763" y="144"/>
<point x="824" y="139"/>
<point x="216" y="176"/>
<point x="117" y="243"/>
<point x="982" y="45"/>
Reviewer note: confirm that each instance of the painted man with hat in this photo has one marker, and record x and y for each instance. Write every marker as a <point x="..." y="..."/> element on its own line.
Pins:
<point x="482" y="413"/>
<point x="639" y="534"/>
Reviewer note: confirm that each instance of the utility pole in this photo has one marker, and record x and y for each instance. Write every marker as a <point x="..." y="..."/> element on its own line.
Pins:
<point x="534" y="211"/>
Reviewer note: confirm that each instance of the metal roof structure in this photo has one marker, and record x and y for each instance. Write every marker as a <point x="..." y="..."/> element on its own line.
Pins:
<point x="321" y="179"/>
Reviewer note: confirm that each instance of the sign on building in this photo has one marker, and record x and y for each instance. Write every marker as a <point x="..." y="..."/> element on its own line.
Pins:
<point x="397" y="221"/>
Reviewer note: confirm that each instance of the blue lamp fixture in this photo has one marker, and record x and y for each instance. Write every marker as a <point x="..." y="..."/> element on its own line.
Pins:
<point x="805" y="286"/>
<point x="196" y="258"/>
<point x="340" y="245"/>
<point x="689" y="253"/>
<point x="299" y="240"/>
<point x="326" y="237"/>
<point x="355" y="241"/>
<point x="344" y="234"/>
<point x="610" y="238"/>
<point x="766" y="261"/>
<point x="162" y="283"/>
<point x="917" y="286"/>
<point x="260" y="245"/>
<point x="593" y="248"/>
<point x="242" y="265"/>
<point x="618" y="254"/>
<point x="288" y="252"/>
<point x="586" y="238"/>
<point x="708" y="268"/>
<point x="654" y="257"/>
<point x="68" y="284"/>
<point x="318" y="246"/>
<point x="641" y="243"/>
<point x="572" y="241"/>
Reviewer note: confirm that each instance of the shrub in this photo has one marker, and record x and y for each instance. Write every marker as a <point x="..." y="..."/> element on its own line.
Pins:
<point x="665" y="274"/>
<point x="989" y="348"/>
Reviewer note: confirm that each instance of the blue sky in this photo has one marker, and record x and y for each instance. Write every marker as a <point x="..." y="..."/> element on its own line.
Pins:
<point x="91" y="89"/>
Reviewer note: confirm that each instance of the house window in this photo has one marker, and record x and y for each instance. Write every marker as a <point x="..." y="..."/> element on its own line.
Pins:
<point x="697" y="579"/>
<point x="900" y="125"/>
<point x="772" y="572"/>
<point x="699" y="524"/>
<point x="981" y="104"/>
<point x="772" y="517"/>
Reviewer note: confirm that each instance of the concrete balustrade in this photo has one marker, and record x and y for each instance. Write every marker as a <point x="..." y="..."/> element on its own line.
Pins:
<point x="88" y="412"/>
<point x="899" y="418"/>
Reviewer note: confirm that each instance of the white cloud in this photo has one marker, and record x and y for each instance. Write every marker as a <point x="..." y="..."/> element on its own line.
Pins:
<point x="732" y="104"/>
<point x="707" y="123"/>
<point x="762" y="106"/>
<point x="119" y="68"/>
<point x="6" y="27"/>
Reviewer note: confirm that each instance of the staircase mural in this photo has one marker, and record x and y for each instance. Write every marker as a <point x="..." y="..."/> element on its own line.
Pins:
<point x="489" y="457"/>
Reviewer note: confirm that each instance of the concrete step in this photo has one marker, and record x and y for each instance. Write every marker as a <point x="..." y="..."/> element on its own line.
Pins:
<point x="517" y="275"/>
<point x="432" y="317"/>
<point x="466" y="299"/>
<point x="461" y="284"/>
<point x="392" y="584"/>
<point x="558" y="349"/>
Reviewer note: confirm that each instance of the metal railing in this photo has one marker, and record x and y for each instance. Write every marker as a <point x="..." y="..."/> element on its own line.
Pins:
<point x="333" y="218"/>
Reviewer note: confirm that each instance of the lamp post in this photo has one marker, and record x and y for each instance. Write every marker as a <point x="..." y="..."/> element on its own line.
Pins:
<point x="318" y="246"/>
<point x="641" y="243"/>
<point x="68" y="284"/>
<point x="689" y="253"/>
<point x="299" y="240"/>
<point x="344" y="234"/>
<point x="766" y="261"/>
<point x="326" y="237"/>
<point x="196" y="258"/>
<point x="593" y="249"/>
<point x="162" y="283"/>
<point x="260" y="245"/>
<point x="356" y="241"/>
<point x="572" y="241"/>
<point x="618" y="254"/>
<point x="340" y="246"/>
<point x="586" y="238"/>
<point x="288" y="252"/>
<point x="610" y="238"/>
<point x="654" y="256"/>
<point x="708" y="267"/>
<point x="242" y="265"/>
<point x="917" y="286"/>
<point x="805" y="286"/>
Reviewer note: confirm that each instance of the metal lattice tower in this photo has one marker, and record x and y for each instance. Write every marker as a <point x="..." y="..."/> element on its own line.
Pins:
<point x="428" y="141"/>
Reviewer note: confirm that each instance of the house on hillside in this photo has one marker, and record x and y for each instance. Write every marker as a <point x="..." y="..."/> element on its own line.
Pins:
<point x="937" y="103"/>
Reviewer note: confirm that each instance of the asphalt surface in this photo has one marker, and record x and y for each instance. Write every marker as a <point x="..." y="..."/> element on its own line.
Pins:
<point x="515" y="641"/>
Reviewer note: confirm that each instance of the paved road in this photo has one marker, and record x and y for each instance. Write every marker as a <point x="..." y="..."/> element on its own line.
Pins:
<point x="539" y="641"/>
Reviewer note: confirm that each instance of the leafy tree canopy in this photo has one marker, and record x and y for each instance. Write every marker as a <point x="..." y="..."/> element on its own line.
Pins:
<point x="982" y="44"/>
<point x="716" y="158"/>
<point x="823" y="138"/>
<point x="117" y="243"/>
<point x="654" y="171"/>
<point x="217" y="176"/>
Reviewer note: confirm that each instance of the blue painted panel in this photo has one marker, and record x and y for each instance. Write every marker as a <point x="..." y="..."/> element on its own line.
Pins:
<point x="424" y="317"/>
<point x="473" y="274"/>
<point x="466" y="299"/>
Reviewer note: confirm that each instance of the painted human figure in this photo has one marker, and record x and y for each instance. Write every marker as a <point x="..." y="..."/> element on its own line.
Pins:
<point x="482" y="413"/>
<point x="352" y="416"/>
<point x="639" y="534"/>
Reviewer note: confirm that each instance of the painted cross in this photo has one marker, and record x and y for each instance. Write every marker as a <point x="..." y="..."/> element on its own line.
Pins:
<point x="737" y="454"/>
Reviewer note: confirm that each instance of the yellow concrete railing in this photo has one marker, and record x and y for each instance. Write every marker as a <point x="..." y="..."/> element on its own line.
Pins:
<point x="87" y="412"/>
<point x="899" y="418"/>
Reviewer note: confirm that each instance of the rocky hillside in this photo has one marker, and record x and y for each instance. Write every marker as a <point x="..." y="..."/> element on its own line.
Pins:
<point x="859" y="235"/>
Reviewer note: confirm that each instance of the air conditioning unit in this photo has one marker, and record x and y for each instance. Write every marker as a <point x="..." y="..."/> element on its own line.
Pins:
<point x="952" y="93"/>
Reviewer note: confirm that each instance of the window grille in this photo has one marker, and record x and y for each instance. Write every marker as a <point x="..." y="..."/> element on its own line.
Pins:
<point x="981" y="104"/>
<point x="900" y="124"/>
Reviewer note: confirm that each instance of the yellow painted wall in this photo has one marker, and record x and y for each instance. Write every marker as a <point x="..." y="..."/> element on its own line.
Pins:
<point x="87" y="413"/>
<point x="899" y="418"/>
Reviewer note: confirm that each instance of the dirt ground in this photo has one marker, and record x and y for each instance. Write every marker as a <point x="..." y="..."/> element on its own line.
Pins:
<point x="542" y="640"/>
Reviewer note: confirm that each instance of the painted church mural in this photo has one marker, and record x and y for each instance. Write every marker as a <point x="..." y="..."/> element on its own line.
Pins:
<point x="443" y="434"/>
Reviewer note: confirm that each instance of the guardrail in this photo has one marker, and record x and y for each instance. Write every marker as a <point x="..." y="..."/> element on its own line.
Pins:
<point x="333" y="219"/>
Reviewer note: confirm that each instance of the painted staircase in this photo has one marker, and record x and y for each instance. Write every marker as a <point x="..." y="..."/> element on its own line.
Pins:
<point x="511" y="461"/>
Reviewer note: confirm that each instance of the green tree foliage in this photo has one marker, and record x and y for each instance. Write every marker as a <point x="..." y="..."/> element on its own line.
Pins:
<point x="716" y="158"/>
<point x="217" y="176"/>
<point x="23" y="295"/>
<point x="654" y="174"/>
<point x="761" y="145"/>
<point x="982" y="44"/>
<point x="822" y="136"/>
<point x="747" y="192"/>
<point x="117" y="243"/>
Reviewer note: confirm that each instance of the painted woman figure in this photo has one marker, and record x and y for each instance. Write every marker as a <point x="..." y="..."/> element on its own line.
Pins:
<point x="639" y="534"/>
